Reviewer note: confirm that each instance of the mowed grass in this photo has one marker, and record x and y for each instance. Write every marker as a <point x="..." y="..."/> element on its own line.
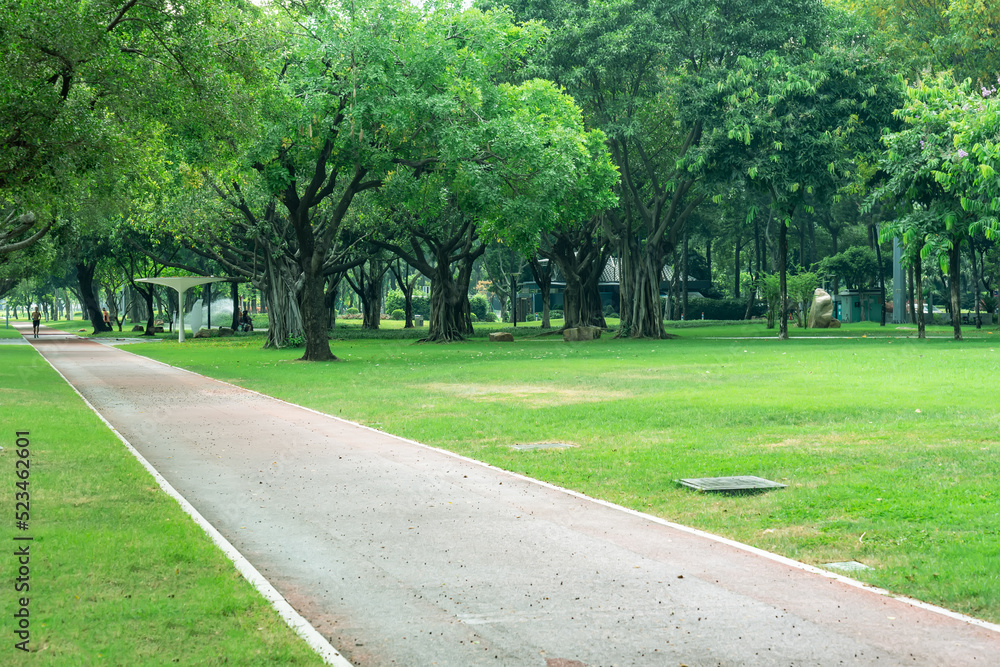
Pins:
<point x="889" y="445"/>
<point x="120" y="575"/>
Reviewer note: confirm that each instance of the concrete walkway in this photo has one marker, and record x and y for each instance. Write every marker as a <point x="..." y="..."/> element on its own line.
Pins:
<point x="405" y="555"/>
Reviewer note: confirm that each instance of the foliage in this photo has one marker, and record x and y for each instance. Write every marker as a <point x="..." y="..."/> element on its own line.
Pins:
<point x="398" y="314"/>
<point x="793" y="124"/>
<point x="395" y="300"/>
<point x="857" y="267"/>
<point x="941" y="173"/>
<point x="92" y="90"/>
<point x="479" y="306"/>
<point x="801" y="288"/>
<point x="932" y="36"/>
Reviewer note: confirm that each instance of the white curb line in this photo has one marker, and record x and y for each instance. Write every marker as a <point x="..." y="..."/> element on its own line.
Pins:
<point x="295" y="621"/>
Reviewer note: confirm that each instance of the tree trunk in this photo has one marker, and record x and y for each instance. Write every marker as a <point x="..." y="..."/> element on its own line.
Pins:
<point x="753" y="296"/>
<point x="684" y="278"/>
<point x="736" y="269"/>
<point x="234" y="295"/>
<point x="543" y="278"/>
<point x="406" y="285"/>
<point x="314" y="316"/>
<point x="802" y="244"/>
<point x="371" y="306"/>
<point x="913" y="303"/>
<point x="918" y="273"/>
<point x="408" y="304"/>
<point x="283" y="306"/>
<point x="85" y="277"/>
<point x="708" y="257"/>
<point x="975" y="283"/>
<point x="782" y="280"/>
<point x="330" y="297"/>
<point x="147" y="296"/>
<point x="582" y="301"/>
<point x="451" y="317"/>
<point x="757" y="251"/>
<point x="369" y="288"/>
<point x="881" y="274"/>
<point x="581" y="268"/>
<point x="954" y="278"/>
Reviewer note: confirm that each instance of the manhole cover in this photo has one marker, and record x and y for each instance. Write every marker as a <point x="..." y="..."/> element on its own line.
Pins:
<point x="848" y="566"/>
<point x="541" y="445"/>
<point x="727" y="484"/>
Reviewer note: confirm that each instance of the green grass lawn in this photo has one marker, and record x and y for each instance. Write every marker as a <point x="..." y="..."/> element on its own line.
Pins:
<point x="888" y="444"/>
<point x="120" y="574"/>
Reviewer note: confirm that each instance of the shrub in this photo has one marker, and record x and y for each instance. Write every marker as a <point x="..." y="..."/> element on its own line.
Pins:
<point x="353" y="311"/>
<point x="475" y="318"/>
<point x="398" y="314"/>
<point x="479" y="305"/>
<point x="395" y="300"/>
<point x="490" y="316"/>
<point x="609" y="311"/>
<point x="556" y="314"/>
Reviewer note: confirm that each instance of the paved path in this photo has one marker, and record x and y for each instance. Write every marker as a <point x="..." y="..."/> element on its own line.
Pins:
<point x="404" y="555"/>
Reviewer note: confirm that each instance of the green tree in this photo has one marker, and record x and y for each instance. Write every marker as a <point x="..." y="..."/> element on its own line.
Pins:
<point x="927" y="37"/>
<point x="623" y="62"/>
<point x="941" y="172"/>
<point x="87" y="88"/>
<point x="792" y="124"/>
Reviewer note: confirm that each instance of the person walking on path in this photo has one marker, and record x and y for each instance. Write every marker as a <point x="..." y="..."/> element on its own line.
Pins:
<point x="36" y="319"/>
<point x="107" y="317"/>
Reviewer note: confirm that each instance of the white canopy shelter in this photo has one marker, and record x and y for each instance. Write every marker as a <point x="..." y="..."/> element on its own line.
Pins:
<point x="182" y="284"/>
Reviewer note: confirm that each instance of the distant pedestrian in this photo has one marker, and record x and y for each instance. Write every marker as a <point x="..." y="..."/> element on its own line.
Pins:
<point x="107" y="317"/>
<point x="36" y="319"/>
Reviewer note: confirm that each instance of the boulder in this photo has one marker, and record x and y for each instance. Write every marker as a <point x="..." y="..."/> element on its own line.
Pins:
<point x="203" y="333"/>
<point x="834" y="324"/>
<point x="501" y="337"/>
<point x="225" y="331"/>
<point x="138" y="327"/>
<point x="158" y="329"/>
<point x="821" y="313"/>
<point x="581" y="333"/>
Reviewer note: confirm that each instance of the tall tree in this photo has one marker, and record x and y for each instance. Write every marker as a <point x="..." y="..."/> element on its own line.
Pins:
<point x="792" y="125"/>
<point x="86" y="85"/>
<point x="383" y="92"/>
<point x="941" y="170"/>
<point x="621" y="61"/>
